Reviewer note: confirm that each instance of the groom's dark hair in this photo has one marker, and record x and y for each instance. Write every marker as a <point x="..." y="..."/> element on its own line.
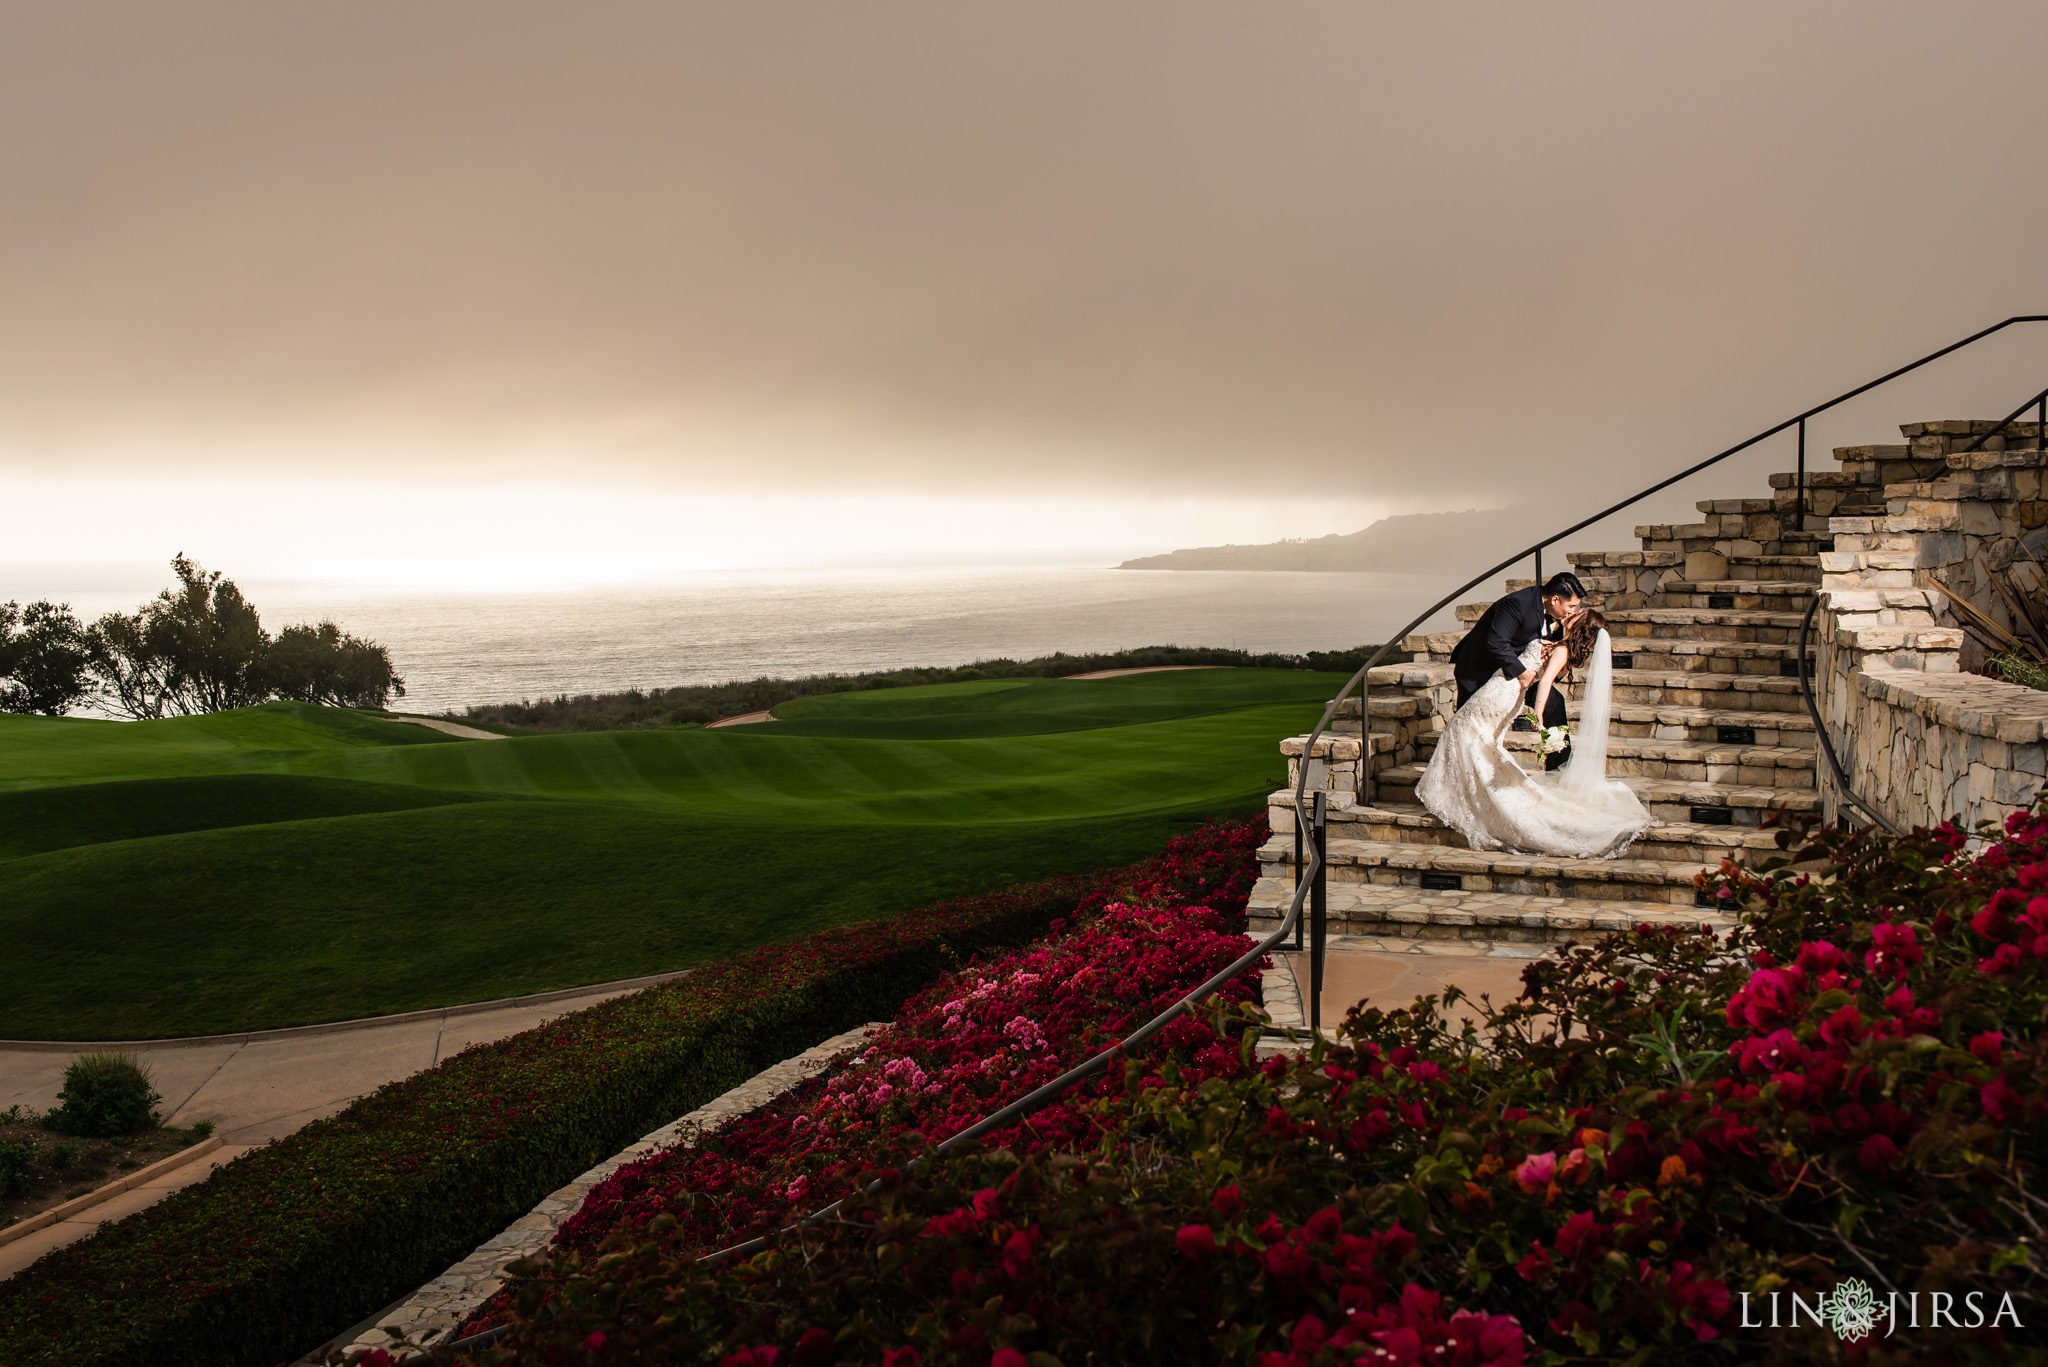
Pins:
<point x="1564" y="584"/>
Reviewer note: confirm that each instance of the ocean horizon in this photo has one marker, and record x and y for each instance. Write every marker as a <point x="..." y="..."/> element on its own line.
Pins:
<point x="460" y="649"/>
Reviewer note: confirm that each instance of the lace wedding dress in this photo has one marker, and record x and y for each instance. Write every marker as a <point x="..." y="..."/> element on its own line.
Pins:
<point x="1474" y="786"/>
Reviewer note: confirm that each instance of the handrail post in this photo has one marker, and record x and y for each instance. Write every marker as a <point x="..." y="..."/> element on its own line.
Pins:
<point x="1799" y="488"/>
<point x="1539" y="567"/>
<point x="1318" y="916"/>
<point x="1297" y="876"/>
<point x="2041" y="422"/>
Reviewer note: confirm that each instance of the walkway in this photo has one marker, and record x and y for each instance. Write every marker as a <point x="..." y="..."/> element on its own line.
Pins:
<point x="263" y="1086"/>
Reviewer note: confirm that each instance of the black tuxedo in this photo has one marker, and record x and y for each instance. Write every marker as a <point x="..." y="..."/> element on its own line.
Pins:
<point x="1495" y="644"/>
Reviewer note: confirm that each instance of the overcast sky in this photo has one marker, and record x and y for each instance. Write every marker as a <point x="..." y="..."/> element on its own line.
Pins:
<point x="1281" y="266"/>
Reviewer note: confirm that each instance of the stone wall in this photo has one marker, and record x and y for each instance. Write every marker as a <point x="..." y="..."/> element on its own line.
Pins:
<point x="1920" y="738"/>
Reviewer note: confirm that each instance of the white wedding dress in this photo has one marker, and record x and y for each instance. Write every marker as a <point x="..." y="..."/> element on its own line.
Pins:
<point x="1474" y="786"/>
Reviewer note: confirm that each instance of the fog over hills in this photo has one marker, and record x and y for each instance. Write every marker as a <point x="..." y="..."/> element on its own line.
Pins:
<point x="1392" y="543"/>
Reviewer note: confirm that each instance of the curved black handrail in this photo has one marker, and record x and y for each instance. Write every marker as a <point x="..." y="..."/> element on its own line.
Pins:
<point x="1051" y="1091"/>
<point x="1820" y="730"/>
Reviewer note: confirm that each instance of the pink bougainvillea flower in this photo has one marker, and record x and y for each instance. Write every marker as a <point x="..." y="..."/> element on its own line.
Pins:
<point x="899" y="1357"/>
<point x="1197" y="1242"/>
<point x="1989" y="1046"/>
<point x="1007" y="1357"/>
<point x="2000" y="1102"/>
<point x="2003" y="960"/>
<point x="1229" y="1202"/>
<point x="1537" y="1171"/>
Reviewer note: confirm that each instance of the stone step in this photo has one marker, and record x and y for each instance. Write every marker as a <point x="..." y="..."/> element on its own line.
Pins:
<point x="1472" y="918"/>
<point x="1701" y="725"/>
<point x="1677" y="623"/>
<point x="1740" y="595"/>
<point x="1752" y="766"/>
<point x="1668" y="799"/>
<point x="1734" y="692"/>
<point x="1693" y="726"/>
<point x="1657" y="653"/>
<point x="1583" y="560"/>
<point x="1669" y="841"/>
<point x="1395" y="863"/>
<point x="1823" y="479"/>
<point x="1802" y="568"/>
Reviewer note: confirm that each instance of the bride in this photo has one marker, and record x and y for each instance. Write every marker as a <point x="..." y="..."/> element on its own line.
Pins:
<point x="1474" y="786"/>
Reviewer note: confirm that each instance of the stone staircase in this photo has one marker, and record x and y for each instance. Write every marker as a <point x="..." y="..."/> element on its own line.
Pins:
<point x="1709" y="728"/>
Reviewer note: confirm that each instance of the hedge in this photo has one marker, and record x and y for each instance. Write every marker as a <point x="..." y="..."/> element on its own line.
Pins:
<point x="1673" y="1143"/>
<point x="320" y="1229"/>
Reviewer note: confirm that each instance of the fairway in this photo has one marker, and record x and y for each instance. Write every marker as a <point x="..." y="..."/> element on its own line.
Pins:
<point x="290" y="864"/>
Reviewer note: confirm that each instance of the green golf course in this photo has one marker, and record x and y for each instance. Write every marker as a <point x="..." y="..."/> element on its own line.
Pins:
<point x="289" y="864"/>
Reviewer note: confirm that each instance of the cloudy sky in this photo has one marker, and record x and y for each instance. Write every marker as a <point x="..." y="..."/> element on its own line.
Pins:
<point x="321" y="283"/>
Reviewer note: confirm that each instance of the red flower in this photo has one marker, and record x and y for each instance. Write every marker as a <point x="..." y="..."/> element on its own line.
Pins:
<point x="814" y="1349"/>
<point x="1196" y="1242"/>
<point x="1989" y="1046"/>
<point x="1999" y="1101"/>
<point x="1536" y="1266"/>
<point x="595" y="1342"/>
<point x="1878" y="1155"/>
<point x="1229" y="1202"/>
<point x="899" y="1357"/>
<point x="1007" y="1357"/>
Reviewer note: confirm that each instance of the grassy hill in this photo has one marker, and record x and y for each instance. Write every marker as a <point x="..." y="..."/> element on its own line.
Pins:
<point x="288" y="864"/>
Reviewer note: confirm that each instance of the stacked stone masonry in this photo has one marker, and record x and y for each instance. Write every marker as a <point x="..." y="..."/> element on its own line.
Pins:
<point x="1709" y="725"/>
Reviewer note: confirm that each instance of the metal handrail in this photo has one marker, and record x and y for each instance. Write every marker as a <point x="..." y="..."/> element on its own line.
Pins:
<point x="1312" y="870"/>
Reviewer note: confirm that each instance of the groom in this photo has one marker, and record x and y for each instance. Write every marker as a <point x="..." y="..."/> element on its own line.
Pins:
<point x="1497" y="640"/>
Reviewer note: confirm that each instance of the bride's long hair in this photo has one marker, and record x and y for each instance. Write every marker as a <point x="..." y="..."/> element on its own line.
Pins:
<point x="1580" y="636"/>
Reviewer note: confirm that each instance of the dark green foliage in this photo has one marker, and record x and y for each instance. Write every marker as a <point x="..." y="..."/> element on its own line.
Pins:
<point x="14" y="1168"/>
<point x="694" y="704"/>
<point x="317" y="1230"/>
<point x="324" y="664"/>
<point x="44" y="659"/>
<point x="200" y="647"/>
<point x="105" y="1093"/>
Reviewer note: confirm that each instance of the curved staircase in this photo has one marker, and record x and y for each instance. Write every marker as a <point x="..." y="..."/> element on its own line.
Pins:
<point x="1708" y="728"/>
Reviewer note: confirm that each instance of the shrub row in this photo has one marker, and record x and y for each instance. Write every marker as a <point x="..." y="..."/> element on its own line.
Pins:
<point x="313" y="1232"/>
<point x="694" y="704"/>
<point x="1646" y="1158"/>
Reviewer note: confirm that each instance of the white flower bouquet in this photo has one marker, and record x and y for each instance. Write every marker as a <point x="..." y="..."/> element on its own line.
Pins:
<point x="1549" y="739"/>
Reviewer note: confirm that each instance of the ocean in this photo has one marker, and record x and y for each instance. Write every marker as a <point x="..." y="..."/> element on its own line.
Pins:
<point x="456" y="649"/>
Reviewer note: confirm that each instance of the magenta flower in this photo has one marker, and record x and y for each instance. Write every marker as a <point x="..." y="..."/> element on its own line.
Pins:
<point x="1196" y="1242"/>
<point x="1536" y="1171"/>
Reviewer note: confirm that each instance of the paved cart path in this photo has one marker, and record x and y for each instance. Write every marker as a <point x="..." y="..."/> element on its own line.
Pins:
<point x="260" y="1087"/>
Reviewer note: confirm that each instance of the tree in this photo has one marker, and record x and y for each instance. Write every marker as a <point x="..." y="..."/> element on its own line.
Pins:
<point x="45" y="655"/>
<point x="196" y="647"/>
<point x="324" y="664"/>
<point x="200" y="646"/>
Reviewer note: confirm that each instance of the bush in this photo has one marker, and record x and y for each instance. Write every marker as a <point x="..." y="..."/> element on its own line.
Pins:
<point x="14" y="1163"/>
<point x="694" y="704"/>
<point x="1841" y="1100"/>
<point x="105" y="1093"/>
<point x="311" y="1233"/>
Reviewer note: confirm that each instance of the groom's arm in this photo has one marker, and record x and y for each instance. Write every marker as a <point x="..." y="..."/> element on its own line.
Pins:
<point x="1506" y="636"/>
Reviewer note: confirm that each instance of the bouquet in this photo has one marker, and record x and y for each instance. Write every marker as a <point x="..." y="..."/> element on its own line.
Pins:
<point x="1549" y="739"/>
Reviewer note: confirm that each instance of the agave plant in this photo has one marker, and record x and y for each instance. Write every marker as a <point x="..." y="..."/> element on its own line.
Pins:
<point x="2017" y="653"/>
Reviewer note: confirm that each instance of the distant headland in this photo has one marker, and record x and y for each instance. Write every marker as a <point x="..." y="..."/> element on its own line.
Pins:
<point x="1391" y="543"/>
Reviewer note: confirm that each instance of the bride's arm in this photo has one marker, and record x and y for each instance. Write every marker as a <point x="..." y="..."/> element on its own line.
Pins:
<point x="1554" y="662"/>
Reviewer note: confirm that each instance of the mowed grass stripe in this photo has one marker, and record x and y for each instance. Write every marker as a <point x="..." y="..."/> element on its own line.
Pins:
<point x="287" y="864"/>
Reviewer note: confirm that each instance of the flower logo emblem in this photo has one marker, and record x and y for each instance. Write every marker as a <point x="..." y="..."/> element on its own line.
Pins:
<point x="1852" y="1310"/>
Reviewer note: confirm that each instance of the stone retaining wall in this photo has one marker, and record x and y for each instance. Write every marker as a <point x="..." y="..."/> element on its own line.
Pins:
<point x="1921" y="739"/>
